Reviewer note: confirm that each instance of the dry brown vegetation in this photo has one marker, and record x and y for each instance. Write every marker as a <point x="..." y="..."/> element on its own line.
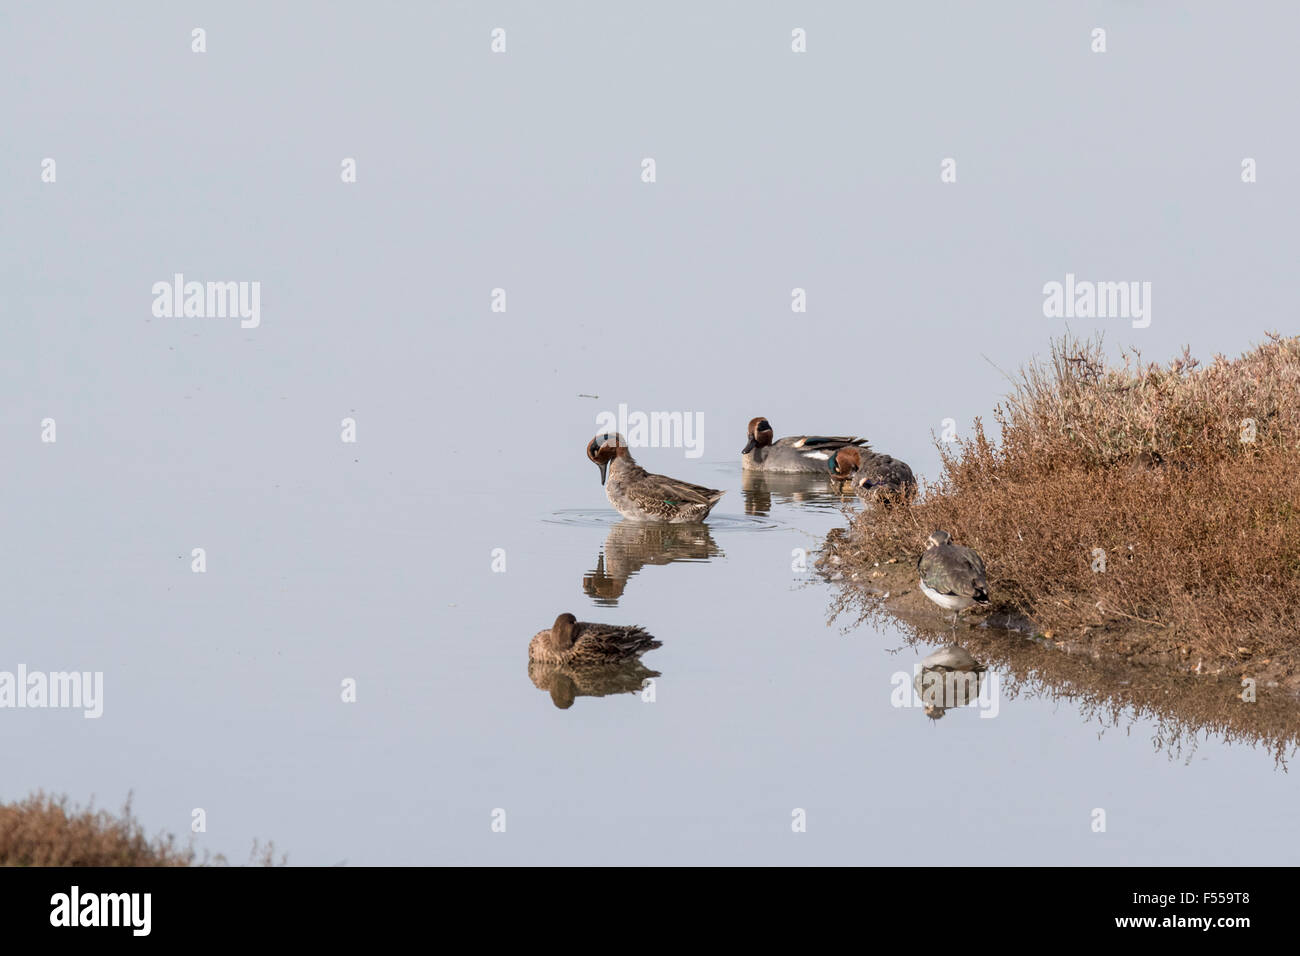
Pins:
<point x="1186" y="476"/>
<point x="45" y="831"/>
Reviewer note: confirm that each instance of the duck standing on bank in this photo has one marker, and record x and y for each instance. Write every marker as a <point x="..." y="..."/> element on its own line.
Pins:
<point x="797" y="454"/>
<point x="872" y="475"/>
<point x="640" y="496"/>
<point x="951" y="576"/>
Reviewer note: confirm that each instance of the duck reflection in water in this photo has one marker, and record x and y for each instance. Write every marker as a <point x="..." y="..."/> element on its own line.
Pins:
<point x="762" y="489"/>
<point x="631" y="545"/>
<point x="950" y="677"/>
<point x="573" y="659"/>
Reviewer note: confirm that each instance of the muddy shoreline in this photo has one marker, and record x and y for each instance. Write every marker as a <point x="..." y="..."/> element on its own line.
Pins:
<point x="1111" y="670"/>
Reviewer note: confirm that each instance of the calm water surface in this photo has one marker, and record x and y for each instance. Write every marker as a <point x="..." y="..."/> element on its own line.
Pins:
<point x="222" y="689"/>
<point x="373" y="561"/>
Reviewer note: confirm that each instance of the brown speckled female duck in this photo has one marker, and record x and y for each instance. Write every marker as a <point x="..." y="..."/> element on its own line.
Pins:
<point x="573" y="643"/>
<point x="641" y="496"/>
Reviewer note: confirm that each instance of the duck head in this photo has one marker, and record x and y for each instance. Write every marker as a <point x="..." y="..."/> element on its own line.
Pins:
<point x="605" y="448"/>
<point x="844" y="462"/>
<point x="562" y="632"/>
<point x="760" y="435"/>
<point x="937" y="539"/>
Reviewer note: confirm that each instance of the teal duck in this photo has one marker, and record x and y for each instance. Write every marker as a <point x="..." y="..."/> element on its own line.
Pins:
<point x="800" y="454"/>
<point x="871" y="474"/>
<point x="573" y="643"/>
<point x="640" y="496"/>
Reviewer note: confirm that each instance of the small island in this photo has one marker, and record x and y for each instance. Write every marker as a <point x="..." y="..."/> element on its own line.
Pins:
<point x="1143" y="513"/>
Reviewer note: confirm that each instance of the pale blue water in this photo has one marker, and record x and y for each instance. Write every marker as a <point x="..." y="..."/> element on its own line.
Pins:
<point x="373" y="561"/>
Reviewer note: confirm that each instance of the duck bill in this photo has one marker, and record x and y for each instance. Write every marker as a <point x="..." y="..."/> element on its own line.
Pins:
<point x="749" y="447"/>
<point x="604" y="466"/>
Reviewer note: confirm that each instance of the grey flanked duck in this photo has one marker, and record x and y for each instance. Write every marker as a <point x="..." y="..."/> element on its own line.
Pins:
<point x="871" y="474"/>
<point x="951" y="576"/>
<point x="800" y="454"/>
<point x="573" y="643"/>
<point x="640" y="496"/>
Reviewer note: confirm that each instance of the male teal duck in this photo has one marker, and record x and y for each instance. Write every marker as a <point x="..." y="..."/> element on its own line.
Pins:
<point x="871" y="474"/>
<point x="640" y="496"/>
<point x="952" y="577"/>
<point x="799" y="454"/>
<point x="573" y="643"/>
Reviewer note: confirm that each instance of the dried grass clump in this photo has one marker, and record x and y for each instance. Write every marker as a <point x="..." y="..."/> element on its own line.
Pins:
<point x="1200" y="529"/>
<point x="45" y="831"/>
<point x="1073" y="410"/>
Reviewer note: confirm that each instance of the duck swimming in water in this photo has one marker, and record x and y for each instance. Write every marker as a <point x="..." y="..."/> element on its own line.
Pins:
<point x="640" y="496"/>
<point x="798" y="454"/>
<point x="573" y="643"/>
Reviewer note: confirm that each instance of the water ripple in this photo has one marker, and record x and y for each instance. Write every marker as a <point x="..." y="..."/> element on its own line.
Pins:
<point x="607" y="518"/>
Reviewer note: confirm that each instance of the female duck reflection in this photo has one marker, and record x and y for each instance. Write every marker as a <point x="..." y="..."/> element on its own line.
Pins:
<point x="631" y="545"/>
<point x="575" y="658"/>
